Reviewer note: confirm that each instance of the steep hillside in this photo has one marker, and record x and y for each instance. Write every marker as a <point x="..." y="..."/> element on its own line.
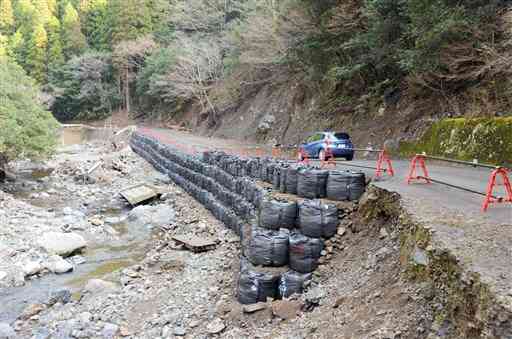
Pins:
<point x="383" y="70"/>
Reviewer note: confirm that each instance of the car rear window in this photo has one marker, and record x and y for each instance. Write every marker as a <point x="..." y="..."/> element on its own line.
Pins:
<point x="341" y="136"/>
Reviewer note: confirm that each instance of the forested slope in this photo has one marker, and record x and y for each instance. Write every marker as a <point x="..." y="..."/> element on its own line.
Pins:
<point x="266" y="69"/>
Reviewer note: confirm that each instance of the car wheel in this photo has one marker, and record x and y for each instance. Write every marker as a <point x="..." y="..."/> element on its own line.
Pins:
<point x="321" y="155"/>
<point x="350" y="157"/>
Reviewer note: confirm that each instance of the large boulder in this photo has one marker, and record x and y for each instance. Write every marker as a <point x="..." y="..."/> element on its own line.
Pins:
<point x="152" y="216"/>
<point x="58" y="265"/>
<point x="63" y="244"/>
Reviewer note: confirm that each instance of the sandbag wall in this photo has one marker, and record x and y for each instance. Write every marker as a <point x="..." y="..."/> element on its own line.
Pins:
<point x="280" y="234"/>
<point x="305" y="181"/>
<point x="287" y="233"/>
<point x="234" y="201"/>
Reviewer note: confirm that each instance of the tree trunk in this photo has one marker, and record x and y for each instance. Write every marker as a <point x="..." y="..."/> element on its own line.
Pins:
<point x="127" y="90"/>
<point x="3" y="164"/>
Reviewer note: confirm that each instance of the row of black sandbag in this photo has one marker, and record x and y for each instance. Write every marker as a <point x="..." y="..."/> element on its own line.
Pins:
<point x="313" y="183"/>
<point x="237" y="192"/>
<point x="218" y="209"/>
<point x="277" y="248"/>
<point x="255" y="286"/>
<point x="312" y="217"/>
<point x="306" y="182"/>
<point x="234" y="183"/>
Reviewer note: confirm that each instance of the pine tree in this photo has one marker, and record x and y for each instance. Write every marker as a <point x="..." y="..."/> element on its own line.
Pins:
<point x="52" y="6"/>
<point x="73" y="40"/>
<point x="43" y="11"/>
<point x="25" y="13"/>
<point x="16" y="47"/>
<point x="54" y="52"/>
<point x="6" y="16"/>
<point x="36" y="57"/>
<point x="96" y="23"/>
<point x="130" y="19"/>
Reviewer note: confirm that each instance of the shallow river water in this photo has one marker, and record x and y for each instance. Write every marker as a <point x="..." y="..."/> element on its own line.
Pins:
<point x="102" y="257"/>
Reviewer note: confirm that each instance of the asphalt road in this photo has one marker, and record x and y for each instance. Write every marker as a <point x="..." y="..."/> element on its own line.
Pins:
<point x="434" y="197"/>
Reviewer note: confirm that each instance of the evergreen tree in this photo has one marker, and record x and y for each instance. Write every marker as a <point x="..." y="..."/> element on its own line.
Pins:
<point x="54" y="52"/>
<point x="36" y="54"/>
<point x="42" y="10"/>
<point x="160" y="11"/>
<point x="16" y="47"/>
<point x="6" y="16"/>
<point x="130" y="19"/>
<point x="27" y="129"/>
<point x="73" y="40"/>
<point x="96" y="23"/>
<point x="52" y="6"/>
<point x="25" y="13"/>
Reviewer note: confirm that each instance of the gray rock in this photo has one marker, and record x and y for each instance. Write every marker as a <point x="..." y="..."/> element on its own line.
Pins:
<point x="314" y="295"/>
<point x="6" y="331"/>
<point x="420" y="257"/>
<point x="156" y="216"/>
<point x="216" y="326"/>
<point x="58" y="265"/>
<point x="109" y="330"/>
<point x="63" y="244"/>
<point x="99" y="286"/>
<point x="180" y="331"/>
<point x="62" y="296"/>
<point x="383" y="233"/>
<point x="31" y="268"/>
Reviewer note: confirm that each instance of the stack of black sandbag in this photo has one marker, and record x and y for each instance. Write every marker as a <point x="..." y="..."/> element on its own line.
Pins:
<point x="278" y="214"/>
<point x="292" y="282"/>
<point x="304" y="252"/>
<point x="311" y="183"/>
<point x="290" y="181"/>
<point x="317" y="219"/>
<point x="254" y="286"/>
<point x="268" y="247"/>
<point x="345" y="185"/>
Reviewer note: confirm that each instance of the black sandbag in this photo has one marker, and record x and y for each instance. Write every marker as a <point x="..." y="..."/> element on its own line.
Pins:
<point x="357" y="185"/>
<point x="282" y="179"/>
<point x="264" y="171"/>
<point x="254" y="286"/>
<point x="312" y="184"/>
<point x="292" y="282"/>
<point x="291" y="180"/>
<point x="276" y="178"/>
<point x="317" y="219"/>
<point x="338" y="185"/>
<point x="268" y="247"/>
<point x="277" y="214"/>
<point x="270" y="172"/>
<point x="259" y="195"/>
<point x="304" y="252"/>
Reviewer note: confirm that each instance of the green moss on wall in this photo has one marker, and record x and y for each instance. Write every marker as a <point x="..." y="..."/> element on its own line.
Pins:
<point x="485" y="139"/>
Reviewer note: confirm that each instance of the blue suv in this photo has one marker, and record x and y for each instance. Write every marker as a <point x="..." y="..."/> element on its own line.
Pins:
<point x="339" y="144"/>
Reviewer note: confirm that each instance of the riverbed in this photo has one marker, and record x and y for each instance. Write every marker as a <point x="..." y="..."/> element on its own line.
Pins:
<point x="47" y="196"/>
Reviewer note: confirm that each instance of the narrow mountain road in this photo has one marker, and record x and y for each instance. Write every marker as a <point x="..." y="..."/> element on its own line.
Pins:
<point x="480" y="241"/>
